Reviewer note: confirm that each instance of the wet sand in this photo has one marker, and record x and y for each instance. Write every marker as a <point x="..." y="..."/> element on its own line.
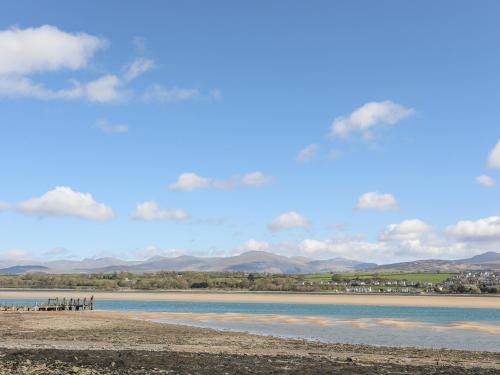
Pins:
<point x="95" y="342"/>
<point x="292" y="298"/>
<point x="490" y="329"/>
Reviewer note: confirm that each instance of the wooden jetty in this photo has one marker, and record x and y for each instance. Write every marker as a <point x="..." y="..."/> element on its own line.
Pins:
<point x="54" y="304"/>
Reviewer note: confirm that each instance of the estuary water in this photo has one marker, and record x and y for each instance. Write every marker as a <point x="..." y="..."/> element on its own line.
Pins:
<point x="429" y="327"/>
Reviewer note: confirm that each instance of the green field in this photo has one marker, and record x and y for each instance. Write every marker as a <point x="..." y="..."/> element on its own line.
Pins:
<point x="423" y="277"/>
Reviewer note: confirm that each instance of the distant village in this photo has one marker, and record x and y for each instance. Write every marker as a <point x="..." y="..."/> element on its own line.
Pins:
<point x="463" y="283"/>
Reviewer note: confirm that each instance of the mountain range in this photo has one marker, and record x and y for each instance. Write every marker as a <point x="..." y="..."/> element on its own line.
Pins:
<point x="253" y="261"/>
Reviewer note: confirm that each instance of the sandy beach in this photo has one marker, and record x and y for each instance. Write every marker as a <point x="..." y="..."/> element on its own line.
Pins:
<point x="95" y="342"/>
<point x="292" y="298"/>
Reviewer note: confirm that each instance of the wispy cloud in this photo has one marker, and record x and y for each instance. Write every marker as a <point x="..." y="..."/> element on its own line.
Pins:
<point x="308" y="153"/>
<point x="56" y="251"/>
<point x="137" y="68"/>
<point x="106" y="89"/>
<point x="494" y="157"/>
<point x="154" y="251"/>
<point x="148" y="211"/>
<point x="486" y="181"/>
<point x="15" y="254"/>
<point x="160" y="94"/>
<point x="377" y="201"/>
<point x="188" y="182"/>
<point x="108" y="127"/>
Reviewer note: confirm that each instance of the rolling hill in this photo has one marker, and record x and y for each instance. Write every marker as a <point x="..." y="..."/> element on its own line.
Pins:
<point x="254" y="261"/>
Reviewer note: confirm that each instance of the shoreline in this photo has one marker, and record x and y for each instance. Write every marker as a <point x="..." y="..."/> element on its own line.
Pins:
<point x="490" y="302"/>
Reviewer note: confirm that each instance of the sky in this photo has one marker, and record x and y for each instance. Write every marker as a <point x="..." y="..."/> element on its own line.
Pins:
<point x="358" y="129"/>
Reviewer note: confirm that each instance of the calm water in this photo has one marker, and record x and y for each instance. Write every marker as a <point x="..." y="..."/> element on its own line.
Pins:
<point x="435" y="326"/>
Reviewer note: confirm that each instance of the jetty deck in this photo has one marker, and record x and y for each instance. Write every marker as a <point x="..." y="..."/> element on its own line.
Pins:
<point x="54" y="304"/>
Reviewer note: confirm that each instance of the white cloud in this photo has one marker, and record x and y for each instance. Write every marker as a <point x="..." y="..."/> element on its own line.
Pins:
<point x="309" y="152"/>
<point x="368" y="117"/>
<point x="406" y="230"/>
<point x="288" y="220"/>
<point x="407" y="240"/>
<point x="15" y="86"/>
<point x="4" y="206"/>
<point x="63" y="201"/>
<point x="340" y="246"/>
<point x="485" y="229"/>
<point x="24" y="52"/>
<point x="151" y="211"/>
<point x="45" y="48"/>
<point x="102" y="90"/>
<point x="486" y="181"/>
<point x="494" y="158"/>
<point x="153" y="251"/>
<point x="406" y="244"/>
<point x="137" y="68"/>
<point x="256" y="179"/>
<point x="253" y="245"/>
<point x="107" y="127"/>
<point x="189" y="181"/>
<point x="377" y="201"/>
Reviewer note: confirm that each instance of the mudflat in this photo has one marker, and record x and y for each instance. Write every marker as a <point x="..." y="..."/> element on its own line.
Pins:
<point x="97" y="342"/>
<point x="492" y="302"/>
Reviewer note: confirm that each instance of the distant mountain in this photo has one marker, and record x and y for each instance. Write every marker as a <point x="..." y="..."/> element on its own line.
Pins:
<point x="338" y="265"/>
<point x="17" y="270"/>
<point x="258" y="261"/>
<point x="87" y="263"/>
<point x="254" y="261"/>
<point x="487" y="257"/>
<point x="486" y="261"/>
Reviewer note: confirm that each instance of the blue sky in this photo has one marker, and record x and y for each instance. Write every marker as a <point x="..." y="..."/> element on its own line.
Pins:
<point x="360" y="129"/>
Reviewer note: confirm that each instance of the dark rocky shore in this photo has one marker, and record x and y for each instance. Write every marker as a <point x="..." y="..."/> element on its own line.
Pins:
<point x="58" y="361"/>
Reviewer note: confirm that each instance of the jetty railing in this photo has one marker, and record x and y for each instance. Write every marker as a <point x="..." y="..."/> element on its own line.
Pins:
<point x="54" y="304"/>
